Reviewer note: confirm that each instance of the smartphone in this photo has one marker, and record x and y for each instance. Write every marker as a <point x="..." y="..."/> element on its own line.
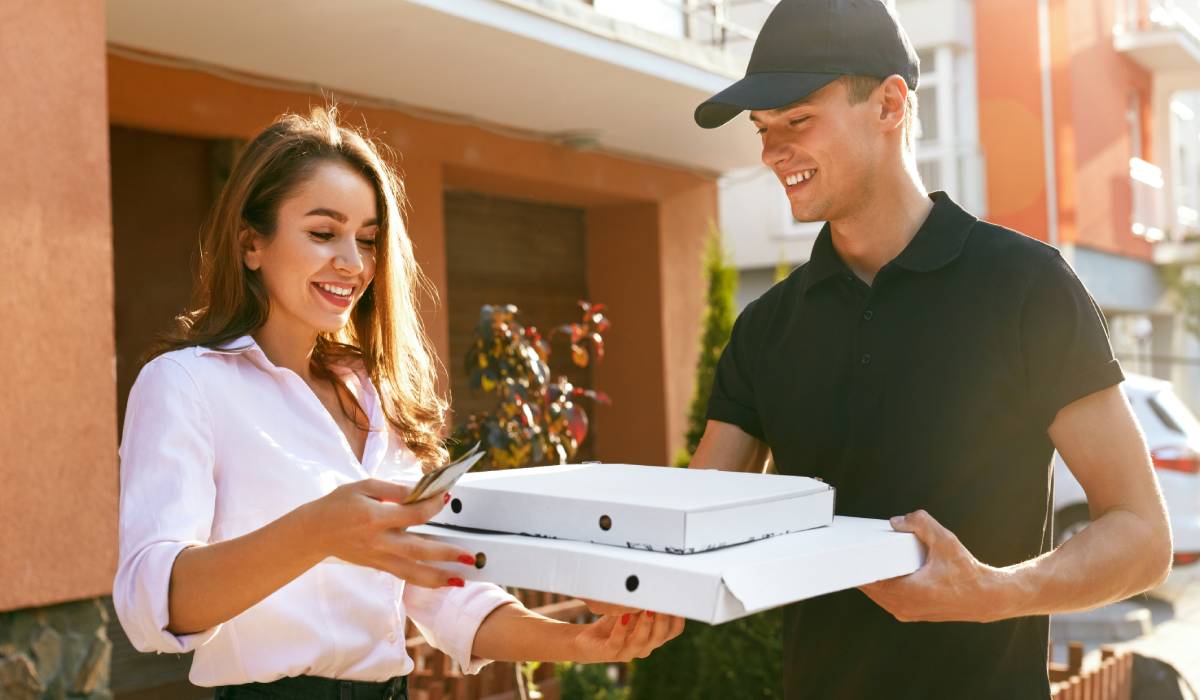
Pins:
<point x="444" y="477"/>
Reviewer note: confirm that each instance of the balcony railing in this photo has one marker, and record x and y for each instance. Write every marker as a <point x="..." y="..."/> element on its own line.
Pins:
<point x="724" y="24"/>
<point x="1149" y="219"/>
<point x="1143" y="15"/>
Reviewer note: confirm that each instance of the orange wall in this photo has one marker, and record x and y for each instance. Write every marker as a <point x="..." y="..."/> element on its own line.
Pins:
<point x="646" y="267"/>
<point x="58" y="471"/>
<point x="1010" y="114"/>
<point x="1101" y="82"/>
<point x="1091" y="84"/>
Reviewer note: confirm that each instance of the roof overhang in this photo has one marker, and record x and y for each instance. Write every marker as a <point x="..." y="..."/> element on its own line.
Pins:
<point x="551" y="68"/>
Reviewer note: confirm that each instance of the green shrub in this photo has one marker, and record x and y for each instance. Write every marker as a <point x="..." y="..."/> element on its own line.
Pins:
<point x="588" y="682"/>
<point x="740" y="659"/>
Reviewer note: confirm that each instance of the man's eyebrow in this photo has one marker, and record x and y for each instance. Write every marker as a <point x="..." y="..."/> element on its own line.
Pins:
<point x="780" y="110"/>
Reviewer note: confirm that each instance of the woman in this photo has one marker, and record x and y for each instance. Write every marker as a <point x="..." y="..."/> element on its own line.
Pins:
<point x="261" y="522"/>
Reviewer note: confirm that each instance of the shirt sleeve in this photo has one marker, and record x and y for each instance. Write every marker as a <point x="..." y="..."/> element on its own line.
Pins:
<point x="449" y="618"/>
<point x="167" y="500"/>
<point x="1064" y="342"/>
<point x="732" y="397"/>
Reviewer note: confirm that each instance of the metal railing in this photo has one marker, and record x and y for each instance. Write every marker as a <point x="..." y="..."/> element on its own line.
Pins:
<point x="1149" y="210"/>
<point x="718" y="23"/>
<point x="1141" y="15"/>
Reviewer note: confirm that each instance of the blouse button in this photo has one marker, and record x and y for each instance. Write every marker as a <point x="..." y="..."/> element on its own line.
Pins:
<point x="392" y="638"/>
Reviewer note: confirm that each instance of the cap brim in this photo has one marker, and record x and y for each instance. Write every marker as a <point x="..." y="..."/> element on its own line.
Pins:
<point x="759" y="91"/>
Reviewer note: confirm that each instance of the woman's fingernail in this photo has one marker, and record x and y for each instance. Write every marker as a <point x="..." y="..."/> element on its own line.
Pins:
<point x="625" y="619"/>
<point x="649" y="614"/>
<point x="897" y="520"/>
<point x="467" y="559"/>
<point x="457" y="582"/>
<point x="445" y="498"/>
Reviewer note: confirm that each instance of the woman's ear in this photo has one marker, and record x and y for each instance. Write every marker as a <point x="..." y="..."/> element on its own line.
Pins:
<point x="252" y="245"/>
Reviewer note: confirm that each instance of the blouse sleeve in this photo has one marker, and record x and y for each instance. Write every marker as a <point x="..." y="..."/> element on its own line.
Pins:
<point x="449" y="618"/>
<point x="167" y="500"/>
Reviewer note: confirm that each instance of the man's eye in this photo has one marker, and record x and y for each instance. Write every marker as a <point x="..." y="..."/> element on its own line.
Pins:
<point x="798" y="121"/>
<point x="321" y="235"/>
<point x="761" y="130"/>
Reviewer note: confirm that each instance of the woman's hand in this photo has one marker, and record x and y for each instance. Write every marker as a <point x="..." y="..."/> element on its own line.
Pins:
<point x="624" y="637"/>
<point x="597" y="607"/>
<point x="365" y="523"/>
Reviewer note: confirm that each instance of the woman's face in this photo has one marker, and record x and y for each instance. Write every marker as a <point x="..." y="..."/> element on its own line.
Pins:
<point x="322" y="255"/>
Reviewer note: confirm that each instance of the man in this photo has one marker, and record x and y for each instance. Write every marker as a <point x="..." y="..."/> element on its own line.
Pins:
<point x="923" y="363"/>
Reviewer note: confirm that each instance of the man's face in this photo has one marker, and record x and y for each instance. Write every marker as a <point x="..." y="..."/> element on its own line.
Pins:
<point x="823" y="150"/>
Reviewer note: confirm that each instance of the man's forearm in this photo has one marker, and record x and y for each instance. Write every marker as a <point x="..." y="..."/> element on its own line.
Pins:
<point x="1118" y="555"/>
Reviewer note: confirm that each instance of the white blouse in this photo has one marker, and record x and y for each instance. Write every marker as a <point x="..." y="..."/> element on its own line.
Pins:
<point x="218" y="443"/>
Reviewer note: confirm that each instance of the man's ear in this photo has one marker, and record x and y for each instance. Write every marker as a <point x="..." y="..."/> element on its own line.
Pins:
<point x="252" y="245"/>
<point x="892" y="97"/>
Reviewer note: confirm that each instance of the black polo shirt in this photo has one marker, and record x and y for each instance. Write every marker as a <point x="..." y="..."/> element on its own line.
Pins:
<point x="932" y="388"/>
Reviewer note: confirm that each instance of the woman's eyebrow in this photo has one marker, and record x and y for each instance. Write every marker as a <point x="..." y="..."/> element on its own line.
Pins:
<point x="331" y="213"/>
<point x="339" y="216"/>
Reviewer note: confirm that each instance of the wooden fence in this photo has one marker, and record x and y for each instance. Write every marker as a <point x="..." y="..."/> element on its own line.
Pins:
<point x="436" y="678"/>
<point x="1111" y="680"/>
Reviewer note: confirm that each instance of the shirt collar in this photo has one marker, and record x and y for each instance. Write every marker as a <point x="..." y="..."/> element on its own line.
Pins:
<point x="937" y="243"/>
<point x="245" y="345"/>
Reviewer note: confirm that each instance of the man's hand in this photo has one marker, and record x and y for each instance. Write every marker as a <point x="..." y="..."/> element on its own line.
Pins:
<point x="952" y="585"/>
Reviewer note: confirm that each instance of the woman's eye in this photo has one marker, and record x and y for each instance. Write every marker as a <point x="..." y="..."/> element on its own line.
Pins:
<point x="761" y="130"/>
<point x="321" y="235"/>
<point x="367" y="242"/>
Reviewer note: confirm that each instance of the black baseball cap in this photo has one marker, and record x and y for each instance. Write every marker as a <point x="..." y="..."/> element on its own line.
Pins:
<point x="807" y="44"/>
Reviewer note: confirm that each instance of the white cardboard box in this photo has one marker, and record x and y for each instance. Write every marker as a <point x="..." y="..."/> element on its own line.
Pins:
<point x="681" y="511"/>
<point x="714" y="587"/>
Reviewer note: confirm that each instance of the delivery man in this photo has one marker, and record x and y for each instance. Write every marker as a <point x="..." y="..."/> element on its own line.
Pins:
<point x="926" y="364"/>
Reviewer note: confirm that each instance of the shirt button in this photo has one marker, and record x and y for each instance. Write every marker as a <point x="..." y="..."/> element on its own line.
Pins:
<point x="866" y="358"/>
<point x="868" y="315"/>
<point x="392" y="637"/>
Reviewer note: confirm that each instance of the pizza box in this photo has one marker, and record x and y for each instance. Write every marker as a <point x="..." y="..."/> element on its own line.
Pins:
<point x="678" y="511"/>
<point x="713" y="586"/>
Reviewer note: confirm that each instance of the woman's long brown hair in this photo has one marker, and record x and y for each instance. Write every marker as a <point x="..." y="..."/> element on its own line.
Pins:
<point x="385" y="333"/>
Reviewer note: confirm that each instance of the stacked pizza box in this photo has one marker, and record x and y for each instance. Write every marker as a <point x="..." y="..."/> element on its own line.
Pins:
<point x="703" y="544"/>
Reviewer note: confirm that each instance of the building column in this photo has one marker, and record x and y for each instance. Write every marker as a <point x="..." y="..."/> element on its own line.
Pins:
<point x="58" y="505"/>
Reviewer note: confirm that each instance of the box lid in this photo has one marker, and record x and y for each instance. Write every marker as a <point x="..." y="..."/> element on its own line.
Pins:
<point x="679" y="511"/>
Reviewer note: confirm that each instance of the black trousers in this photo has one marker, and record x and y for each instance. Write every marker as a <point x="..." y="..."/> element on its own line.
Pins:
<point x="314" y="688"/>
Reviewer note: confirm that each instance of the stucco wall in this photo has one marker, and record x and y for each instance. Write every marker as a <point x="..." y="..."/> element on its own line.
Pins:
<point x="58" y="419"/>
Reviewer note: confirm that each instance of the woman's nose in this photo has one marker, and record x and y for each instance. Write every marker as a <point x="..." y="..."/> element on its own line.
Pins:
<point x="348" y="257"/>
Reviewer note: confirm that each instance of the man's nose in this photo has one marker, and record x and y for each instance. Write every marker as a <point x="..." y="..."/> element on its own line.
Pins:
<point x="774" y="150"/>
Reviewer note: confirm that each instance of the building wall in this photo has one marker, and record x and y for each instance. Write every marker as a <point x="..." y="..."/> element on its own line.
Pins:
<point x="58" y="502"/>
<point x="1010" y="114"/>
<point x="655" y="310"/>
<point x="1103" y="85"/>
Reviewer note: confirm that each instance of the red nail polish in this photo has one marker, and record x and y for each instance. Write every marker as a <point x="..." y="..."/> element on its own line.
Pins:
<point x="649" y="614"/>
<point x="625" y="619"/>
<point x="467" y="559"/>
<point x="457" y="582"/>
<point x="446" y="498"/>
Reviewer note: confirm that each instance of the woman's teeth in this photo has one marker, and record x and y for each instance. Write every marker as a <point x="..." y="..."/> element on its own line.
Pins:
<point x="797" y="178"/>
<point x="338" y="291"/>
